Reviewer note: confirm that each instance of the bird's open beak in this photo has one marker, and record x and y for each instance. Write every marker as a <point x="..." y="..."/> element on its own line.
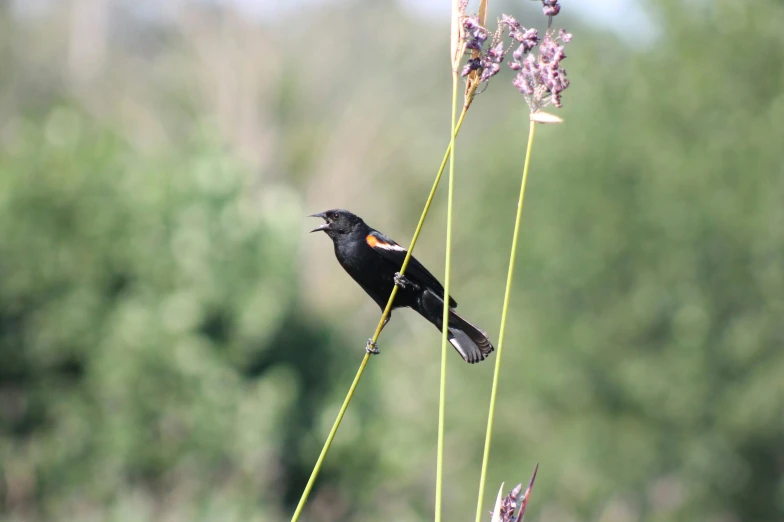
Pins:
<point x="323" y="226"/>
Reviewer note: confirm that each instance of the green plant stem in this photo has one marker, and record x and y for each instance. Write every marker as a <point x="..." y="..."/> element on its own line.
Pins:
<point x="317" y="468"/>
<point x="504" y="313"/>
<point x="445" y="317"/>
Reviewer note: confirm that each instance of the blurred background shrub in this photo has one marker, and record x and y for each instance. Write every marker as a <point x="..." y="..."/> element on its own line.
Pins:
<point x="174" y="346"/>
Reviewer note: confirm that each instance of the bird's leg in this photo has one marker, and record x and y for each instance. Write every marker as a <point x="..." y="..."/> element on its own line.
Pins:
<point x="401" y="280"/>
<point x="372" y="347"/>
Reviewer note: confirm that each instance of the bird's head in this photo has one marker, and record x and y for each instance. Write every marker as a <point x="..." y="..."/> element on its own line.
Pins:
<point x="337" y="222"/>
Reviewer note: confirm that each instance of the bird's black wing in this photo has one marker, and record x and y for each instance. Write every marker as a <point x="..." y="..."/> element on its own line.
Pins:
<point x="415" y="272"/>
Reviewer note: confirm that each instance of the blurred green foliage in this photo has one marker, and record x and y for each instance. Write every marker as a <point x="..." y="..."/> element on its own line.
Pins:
<point x="141" y="302"/>
<point x="170" y="349"/>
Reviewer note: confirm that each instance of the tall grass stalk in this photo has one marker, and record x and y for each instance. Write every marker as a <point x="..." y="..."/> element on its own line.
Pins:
<point x="504" y="315"/>
<point x="445" y="317"/>
<point x="327" y="444"/>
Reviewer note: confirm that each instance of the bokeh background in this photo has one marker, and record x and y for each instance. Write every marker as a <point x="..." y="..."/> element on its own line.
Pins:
<point x="174" y="345"/>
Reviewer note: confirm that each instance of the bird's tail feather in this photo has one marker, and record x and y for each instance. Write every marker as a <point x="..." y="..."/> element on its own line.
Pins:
<point x="471" y="343"/>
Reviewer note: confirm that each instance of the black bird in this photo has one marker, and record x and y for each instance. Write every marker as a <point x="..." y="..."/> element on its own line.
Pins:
<point x="373" y="260"/>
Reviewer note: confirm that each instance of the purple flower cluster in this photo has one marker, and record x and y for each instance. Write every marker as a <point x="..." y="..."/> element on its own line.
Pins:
<point x="541" y="78"/>
<point x="551" y="8"/>
<point x="489" y="61"/>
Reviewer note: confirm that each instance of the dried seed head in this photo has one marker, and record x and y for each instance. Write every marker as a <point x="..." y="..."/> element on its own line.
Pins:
<point x="550" y="8"/>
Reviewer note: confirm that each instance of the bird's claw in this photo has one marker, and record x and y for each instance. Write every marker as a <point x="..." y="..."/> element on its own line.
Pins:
<point x="400" y="280"/>
<point x="371" y="347"/>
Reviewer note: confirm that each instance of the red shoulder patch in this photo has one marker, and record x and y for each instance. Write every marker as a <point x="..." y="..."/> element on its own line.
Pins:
<point x="372" y="240"/>
<point x="376" y="242"/>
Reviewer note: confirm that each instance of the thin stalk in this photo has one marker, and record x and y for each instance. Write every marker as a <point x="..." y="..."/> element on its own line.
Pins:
<point x="317" y="468"/>
<point x="445" y="317"/>
<point x="504" y="312"/>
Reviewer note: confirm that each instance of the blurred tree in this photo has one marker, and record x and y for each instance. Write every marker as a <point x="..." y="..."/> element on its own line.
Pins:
<point x="149" y="325"/>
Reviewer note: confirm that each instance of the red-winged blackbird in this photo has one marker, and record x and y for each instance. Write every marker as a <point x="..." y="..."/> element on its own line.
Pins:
<point x="374" y="261"/>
